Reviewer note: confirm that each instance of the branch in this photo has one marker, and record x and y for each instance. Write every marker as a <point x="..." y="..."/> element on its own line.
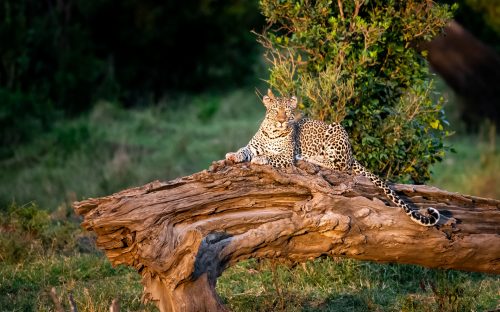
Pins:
<point x="341" y="10"/>
<point x="180" y="235"/>
<point x="55" y="299"/>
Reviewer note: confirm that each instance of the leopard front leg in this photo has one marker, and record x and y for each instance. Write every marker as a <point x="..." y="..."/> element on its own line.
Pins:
<point x="260" y="160"/>
<point x="277" y="161"/>
<point x="244" y="154"/>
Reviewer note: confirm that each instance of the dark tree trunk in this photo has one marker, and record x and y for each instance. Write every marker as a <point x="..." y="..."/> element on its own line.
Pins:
<point x="471" y="69"/>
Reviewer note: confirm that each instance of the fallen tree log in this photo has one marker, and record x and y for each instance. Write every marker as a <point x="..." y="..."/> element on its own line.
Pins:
<point x="180" y="235"/>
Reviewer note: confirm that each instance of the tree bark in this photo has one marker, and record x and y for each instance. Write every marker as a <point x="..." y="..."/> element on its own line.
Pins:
<point x="180" y="235"/>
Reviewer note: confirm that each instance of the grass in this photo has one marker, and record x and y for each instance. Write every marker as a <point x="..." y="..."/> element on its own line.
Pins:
<point x="89" y="277"/>
<point x="349" y="285"/>
<point x="474" y="169"/>
<point x="111" y="148"/>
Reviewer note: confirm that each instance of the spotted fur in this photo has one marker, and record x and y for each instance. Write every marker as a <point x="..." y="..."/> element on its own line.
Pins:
<point x="281" y="140"/>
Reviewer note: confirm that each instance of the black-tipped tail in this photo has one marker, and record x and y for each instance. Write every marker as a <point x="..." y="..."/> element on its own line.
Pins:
<point x="432" y="217"/>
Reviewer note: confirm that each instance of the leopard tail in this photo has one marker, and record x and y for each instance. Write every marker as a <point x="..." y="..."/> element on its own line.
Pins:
<point x="433" y="214"/>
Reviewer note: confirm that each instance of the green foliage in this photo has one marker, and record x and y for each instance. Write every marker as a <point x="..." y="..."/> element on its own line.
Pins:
<point x="59" y="58"/>
<point x="22" y="116"/>
<point x="359" y="64"/>
<point x="490" y="11"/>
<point x="28" y="232"/>
<point x="88" y="277"/>
<point x="473" y="169"/>
<point x="208" y="106"/>
<point x="481" y="18"/>
<point x="112" y="148"/>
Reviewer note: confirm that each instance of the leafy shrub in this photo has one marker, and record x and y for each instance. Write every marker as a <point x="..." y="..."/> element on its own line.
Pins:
<point x="22" y="115"/>
<point x="27" y="232"/>
<point x="358" y="63"/>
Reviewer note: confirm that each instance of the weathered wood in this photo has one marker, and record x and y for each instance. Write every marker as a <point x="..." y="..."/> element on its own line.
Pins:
<point x="180" y="235"/>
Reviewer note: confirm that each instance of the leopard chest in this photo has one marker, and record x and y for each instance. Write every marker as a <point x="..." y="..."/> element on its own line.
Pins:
<point x="262" y="144"/>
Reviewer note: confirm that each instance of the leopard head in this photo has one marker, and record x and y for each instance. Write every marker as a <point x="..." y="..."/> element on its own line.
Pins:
<point x="279" y="114"/>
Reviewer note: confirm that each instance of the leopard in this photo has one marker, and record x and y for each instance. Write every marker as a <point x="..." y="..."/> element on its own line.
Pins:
<point x="283" y="139"/>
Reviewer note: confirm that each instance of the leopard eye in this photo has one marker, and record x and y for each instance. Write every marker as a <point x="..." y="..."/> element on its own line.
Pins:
<point x="272" y="112"/>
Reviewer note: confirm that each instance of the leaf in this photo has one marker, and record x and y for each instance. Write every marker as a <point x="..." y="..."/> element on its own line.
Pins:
<point x="435" y="124"/>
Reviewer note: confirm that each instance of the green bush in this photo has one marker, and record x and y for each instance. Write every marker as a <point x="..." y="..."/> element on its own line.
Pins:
<point x="28" y="232"/>
<point x="358" y="63"/>
<point x="22" y="115"/>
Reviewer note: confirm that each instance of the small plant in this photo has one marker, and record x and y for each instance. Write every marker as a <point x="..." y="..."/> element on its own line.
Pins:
<point x="358" y="63"/>
<point x="28" y="232"/>
<point x="445" y="291"/>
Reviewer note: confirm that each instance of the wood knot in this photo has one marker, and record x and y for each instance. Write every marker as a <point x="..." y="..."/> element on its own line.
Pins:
<point x="361" y="213"/>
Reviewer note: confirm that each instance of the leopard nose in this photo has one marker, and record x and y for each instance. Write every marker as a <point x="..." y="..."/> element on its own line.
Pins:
<point x="281" y="117"/>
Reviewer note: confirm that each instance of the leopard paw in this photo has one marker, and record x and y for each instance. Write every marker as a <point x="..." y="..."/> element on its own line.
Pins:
<point x="233" y="157"/>
<point x="260" y="160"/>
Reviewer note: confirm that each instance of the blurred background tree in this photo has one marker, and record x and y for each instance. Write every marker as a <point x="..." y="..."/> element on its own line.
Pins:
<point x="467" y="57"/>
<point x="481" y="18"/>
<point x="58" y="57"/>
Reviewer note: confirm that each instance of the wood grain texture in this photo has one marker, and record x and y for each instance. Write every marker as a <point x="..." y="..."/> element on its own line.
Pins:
<point x="180" y="235"/>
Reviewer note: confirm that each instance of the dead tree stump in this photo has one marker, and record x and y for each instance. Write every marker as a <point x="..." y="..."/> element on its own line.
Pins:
<point x="180" y="235"/>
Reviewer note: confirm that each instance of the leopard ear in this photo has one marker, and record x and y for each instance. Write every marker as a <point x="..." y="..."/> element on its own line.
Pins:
<point x="267" y="101"/>
<point x="293" y="102"/>
<point x="270" y="93"/>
